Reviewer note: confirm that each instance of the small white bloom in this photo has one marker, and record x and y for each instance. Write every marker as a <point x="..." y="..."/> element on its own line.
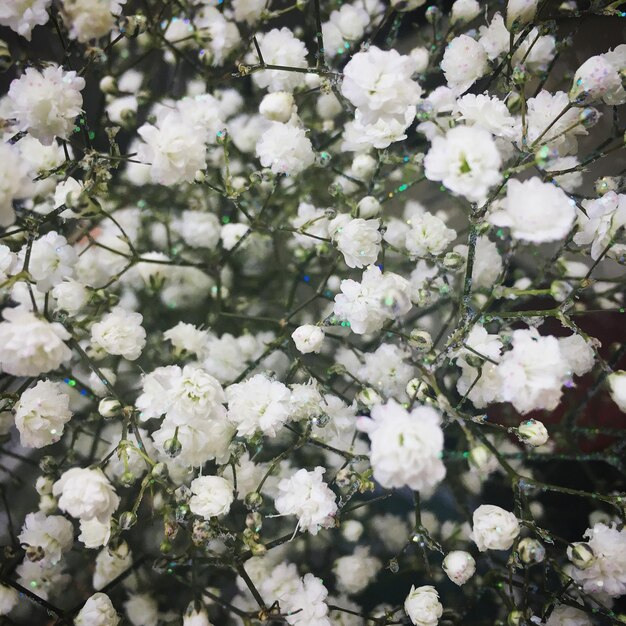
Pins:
<point x="70" y="296"/>
<point x="356" y="571"/>
<point x="285" y="149"/>
<point x="535" y="211"/>
<point x="120" y="332"/>
<point x="198" y="229"/>
<point x="405" y="447"/>
<point x="22" y="16"/>
<point x="464" y="62"/>
<point x="428" y="236"/>
<point x="464" y="11"/>
<point x="533" y="433"/>
<point x="357" y="239"/>
<point x="110" y="564"/>
<point x="307" y="496"/>
<point x="90" y="19"/>
<point x="494" y="528"/>
<point x="8" y="599"/>
<point x="520" y="12"/>
<point x="31" y="346"/>
<point x="422" y="606"/>
<point x="488" y="112"/>
<point x="459" y="566"/>
<point x="281" y="47"/>
<point x="142" y="610"/>
<point x="41" y="414"/>
<point x="308" y="338"/>
<point x="466" y="160"/>
<point x="617" y="386"/>
<point x="277" y="106"/>
<point x="191" y="617"/>
<point x="212" y="496"/>
<point x="86" y="494"/>
<point x="97" y="611"/>
<point x="54" y="534"/>
<point x="93" y="533"/>
<point x="598" y="78"/>
<point x="46" y="102"/>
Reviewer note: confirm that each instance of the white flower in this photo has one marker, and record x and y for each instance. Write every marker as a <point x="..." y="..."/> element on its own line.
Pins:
<point x="356" y="571"/>
<point x="41" y="414"/>
<point x="305" y="605"/>
<point x="120" y="332"/>
<point x="219" y="35"/>
<point x="533" y="433"/>
<point x="22" y="16"/>
<point x="520" y="12"/>
<point x="564" y="615"/>
<point x="142" y="610"/>
<point x="598" y="78"/>
<point x="464" y="11"/>
<point x="307" y="496"/>
<point x="464" y="62"/>
<point x="31" y="346"/>
<point x="494" y="528"/>
<point x="367" y="132"/>
<point x="42" y="579"/>
<point x="488" y="112"/>
<point x="285" y="149"/>
<point x="191" y="617"/>
<point x="617" y="386"/>
<point x="198" y="229"/>
<point x="378" y="297"/>
<point x="428" y="235"/>
<point x="308" y="338"/>
<point x="248" y="11"/>
<point x="466" y="160"/>
<point x="533" y="372"/>
<point x="277" y="106"/>
<point x="173" y="148"/>
<point x="605" y="216"/>
<point x="535" y="211"/>
<point x="459" y="566"/>
<point x="212" y="496"/>
<point x="494" y="38"/>
<point x="86" y="494"/>
<point x="607" y="573"/>
<point x="70" y="295"/>
<point x="8" y="599"/>
<point x="90" y="19"/>
<point x="422" y="606"/>
<point x="560" y="135"/>
<point x="45" y="103"/>
<point x="186" y="337"/>
<point x="378" y="82"/>
<point x="51" y="260"/>
<point x="258" y="404"/>
<point x="357" y="239"/>
<point x="280" y="47"/>
<point x="54" y="534"/>
<point x="94" y="534"/>
<point x="386" y="370"/>
<point x="97" y="611"/>
<point x="405" y="447"/>
<point x="14" y="181"/>
<point x="312" y="222"/>
<point x="487" y="262"/>
<point x="578" y="354"/>
<point x="345" y="26"/>
<point x="110" y="564"/>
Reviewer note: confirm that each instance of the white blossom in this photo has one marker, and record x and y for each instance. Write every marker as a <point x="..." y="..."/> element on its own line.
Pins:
<point x="422" y="606"/>
<point x="494" y="528"/>
<point x="308" y="338"/>
<point x="97" y="611"/>
<point x="459" y="566"/>
<point x="45" y="103"/>
<point x="285" y="149"/>
<point x="41" y="414"/>
<point x="605" y="216"/>
<point x="211" y="496"/>
<point x="356" y="571"/>
<point x="120" y="332"/>
<point x="357" y="239"/>
<point x="53" y="534"/>
<point x="464" y="62"/>
<point x="22" y="16"/>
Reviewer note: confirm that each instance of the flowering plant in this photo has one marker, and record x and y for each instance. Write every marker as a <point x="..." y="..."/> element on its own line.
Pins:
<point x="311" y="313"/>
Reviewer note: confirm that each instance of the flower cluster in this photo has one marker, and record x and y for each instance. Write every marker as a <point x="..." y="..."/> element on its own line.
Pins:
<point x="312" y="313"/>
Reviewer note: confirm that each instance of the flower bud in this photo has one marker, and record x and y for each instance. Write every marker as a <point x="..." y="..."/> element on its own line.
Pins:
<point x="108" y="84"/>
<point x="253" y="501"/>
<point x="368" y="397"/>
<point x="453" y="261"/>
<point x="581" y="555"/>
<point x="459" y="566"/>
<point x="127" y="520"/>
<point x="532" y="432"/>
<point x="420" y="340"/>
<point x="605" y="184"/>
<point x="531" y="551"/>
<point x="109" y="407"/>
<point x="464" y="11"/>
<point x="515" y="618"/>
<point x="308" y="338"/>
<point x="520" y="12"/>
<point x="160" y="471"/>
<point x="277" y="106"/>
<point x="368" y="207"/>
<point x="133" y="25"/>
<point x="172" y="447"/>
